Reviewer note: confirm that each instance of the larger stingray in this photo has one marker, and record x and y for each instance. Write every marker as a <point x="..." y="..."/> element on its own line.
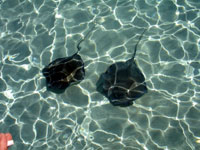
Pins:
<point x="123" y="82"/>
<point x="63" y="72"/>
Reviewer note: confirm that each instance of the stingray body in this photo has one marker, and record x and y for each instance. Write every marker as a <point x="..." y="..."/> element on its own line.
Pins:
<point x="63" y="72"/>
<point x="123" y="82"/>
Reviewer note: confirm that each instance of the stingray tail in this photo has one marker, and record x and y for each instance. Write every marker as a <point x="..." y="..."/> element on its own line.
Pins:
<point x="138" y="43"/>
<point x="78" y="45"/>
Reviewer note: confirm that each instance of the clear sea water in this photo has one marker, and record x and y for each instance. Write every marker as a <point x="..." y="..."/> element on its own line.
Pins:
<point x="35" y="32"/>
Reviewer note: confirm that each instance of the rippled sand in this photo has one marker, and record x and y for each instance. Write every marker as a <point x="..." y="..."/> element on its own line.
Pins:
<point x="33" y="33"/>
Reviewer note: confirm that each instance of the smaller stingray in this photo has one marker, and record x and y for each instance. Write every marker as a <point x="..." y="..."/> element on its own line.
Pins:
<point x="63" y="72"/>
<point x="123" y="82"/>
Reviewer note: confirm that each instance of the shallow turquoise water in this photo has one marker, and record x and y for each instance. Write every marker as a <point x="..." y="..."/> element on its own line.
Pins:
<point x="33" y="33"/>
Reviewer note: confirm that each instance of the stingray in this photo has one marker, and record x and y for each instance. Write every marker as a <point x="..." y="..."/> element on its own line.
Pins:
<point x="123" y="82"/>
<point x="63" y="72"/>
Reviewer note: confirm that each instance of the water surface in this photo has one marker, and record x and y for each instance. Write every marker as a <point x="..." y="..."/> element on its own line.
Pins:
<point x="33" y="33"/>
